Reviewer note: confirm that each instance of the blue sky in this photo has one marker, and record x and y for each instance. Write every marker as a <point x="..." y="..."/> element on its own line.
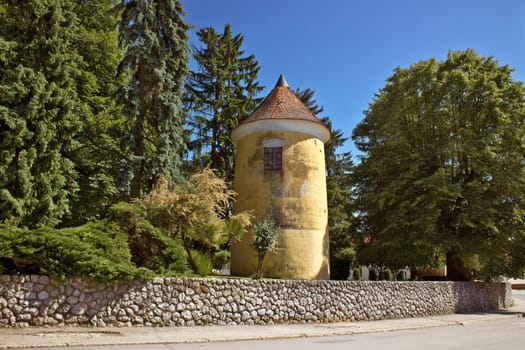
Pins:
<point x="345" y="49"/>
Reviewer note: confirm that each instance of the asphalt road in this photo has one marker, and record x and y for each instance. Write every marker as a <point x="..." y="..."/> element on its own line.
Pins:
<point x="504" y="334"/>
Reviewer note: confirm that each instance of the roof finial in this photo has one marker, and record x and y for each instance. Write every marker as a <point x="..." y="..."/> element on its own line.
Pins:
<point x="281" y="82"/>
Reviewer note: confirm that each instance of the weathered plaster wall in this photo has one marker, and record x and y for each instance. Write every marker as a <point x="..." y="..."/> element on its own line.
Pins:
<point x="295" y="196"/>
<point x="39" y="301"/>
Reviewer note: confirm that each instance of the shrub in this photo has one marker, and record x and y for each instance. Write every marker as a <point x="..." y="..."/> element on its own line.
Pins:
<point x="402" y="275"/>
<point x="265" y="240"/>
<point x="341" y="259"/>
<point x="96" y="250"/>
<point x="356" y="274"/>
<point x="149" y="246"/>
<point x="196" y="212"/>
<point x="221" y="259"/>
<point x="372" y="275"/>
<point x="202" y="262"/>
<point x="386" y="275"/>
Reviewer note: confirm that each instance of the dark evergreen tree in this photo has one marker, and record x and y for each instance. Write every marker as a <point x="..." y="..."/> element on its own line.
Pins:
<point x="307" y="97"/>
<point x="154" y="36"/>
<point x="97" y="158"/>
<point x="39" y="110"/>
<point x="339" y="167"/>
<point x="442" y="172"/>
<point x="220" y="94"/>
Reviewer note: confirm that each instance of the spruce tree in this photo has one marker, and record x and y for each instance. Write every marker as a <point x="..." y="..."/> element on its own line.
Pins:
<point x="155" y="62"/>
<point x="442" y="174"/>
<point x="39" y="110"/>
<point x="220" y="94"/>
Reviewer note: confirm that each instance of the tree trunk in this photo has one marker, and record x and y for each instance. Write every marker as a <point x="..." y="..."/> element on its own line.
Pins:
<point x="260" y="261"/>
<point x="456" y="270"/>
<point x="191" y="262"/>
<point x="138" y="167"/>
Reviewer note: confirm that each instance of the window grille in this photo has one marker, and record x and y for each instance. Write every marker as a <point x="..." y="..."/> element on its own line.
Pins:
<point x="273" y="158"/>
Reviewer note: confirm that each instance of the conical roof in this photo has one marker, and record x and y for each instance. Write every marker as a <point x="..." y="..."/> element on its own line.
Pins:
<point x="282" y="110"/>
<point x="281" y="103"/>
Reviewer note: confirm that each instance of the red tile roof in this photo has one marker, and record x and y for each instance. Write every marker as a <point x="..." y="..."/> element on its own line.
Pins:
<point x="281" y="103"/>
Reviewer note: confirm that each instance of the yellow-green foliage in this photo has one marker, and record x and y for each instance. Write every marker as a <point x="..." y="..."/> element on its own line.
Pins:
<point x="196" y="211"/>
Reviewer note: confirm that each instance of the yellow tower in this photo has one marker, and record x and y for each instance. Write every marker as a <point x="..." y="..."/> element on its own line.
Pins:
<point x="280" y="172"/>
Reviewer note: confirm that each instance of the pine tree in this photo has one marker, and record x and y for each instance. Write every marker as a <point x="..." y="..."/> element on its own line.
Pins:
<point x="339" y="168"/>
<point x="442" y="173"/>
<point x="39" y="110"/>
<point x="154" y="36"/>
<point x="307" y="97"/>
<point x="220" y="95"/>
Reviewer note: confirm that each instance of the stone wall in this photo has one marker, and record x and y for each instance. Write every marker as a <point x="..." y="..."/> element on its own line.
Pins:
<point x="39" y="301"/>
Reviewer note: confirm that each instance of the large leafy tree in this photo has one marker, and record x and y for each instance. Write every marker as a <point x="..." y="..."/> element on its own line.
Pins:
<point x="339" y="167"/>
<point x="442" y="171"/>
<point x="220" y="94"/>
<point x="39" y="110"/>
<point x="154" y="36"/>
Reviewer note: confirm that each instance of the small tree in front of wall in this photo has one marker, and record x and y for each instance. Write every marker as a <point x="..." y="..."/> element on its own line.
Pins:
<point x="265" y="239"/>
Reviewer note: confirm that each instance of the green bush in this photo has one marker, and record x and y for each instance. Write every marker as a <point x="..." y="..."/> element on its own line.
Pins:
<point x="126" y="246"/>
<point x="202" y="261"/>
<point x="386" y="275"/>
<point x="402" y="275"/>
<point x="265" y="240"/>
<point x="221" y="259"/>
<point x="356" y="274"/>
<point x="372" y="275"/>
<point x="341" y="260"/>
<point x="96" y="250"/>
<point x="195" y="211"/>
<point x="149" y="246"/>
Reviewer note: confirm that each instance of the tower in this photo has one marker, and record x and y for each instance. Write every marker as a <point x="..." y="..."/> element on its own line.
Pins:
<point x="280" y="172"/>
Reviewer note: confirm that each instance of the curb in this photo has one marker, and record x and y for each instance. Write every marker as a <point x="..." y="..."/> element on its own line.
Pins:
<point x="21" y="338"/>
